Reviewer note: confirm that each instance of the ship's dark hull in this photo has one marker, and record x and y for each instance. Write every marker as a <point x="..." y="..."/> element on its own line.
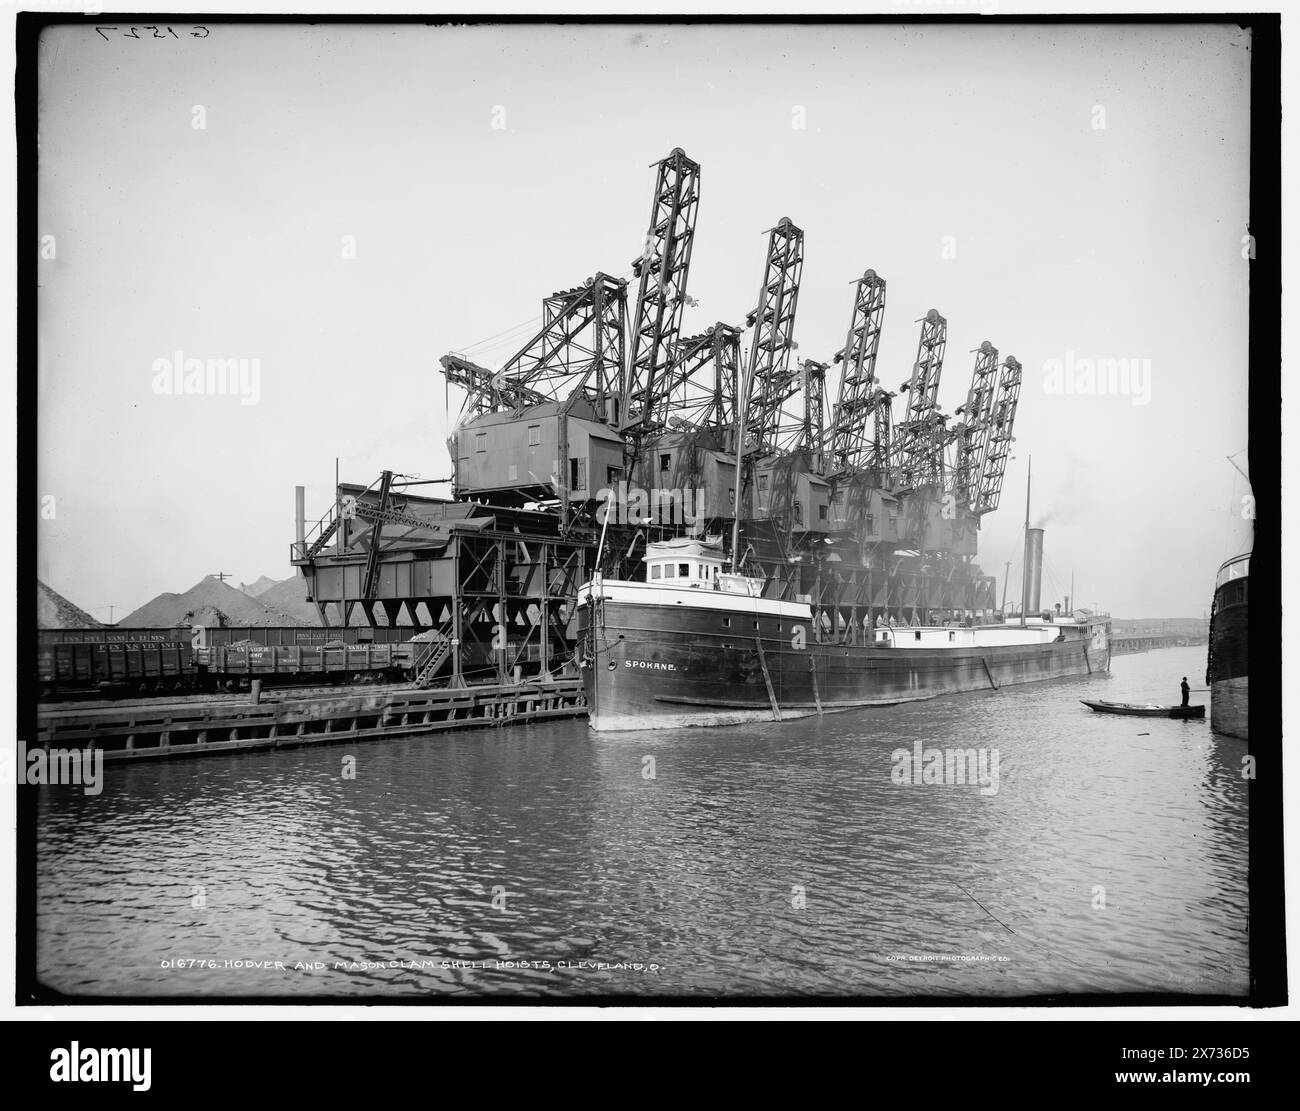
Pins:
<point x="1229" y="664"/>
<point x="647" y="666"/>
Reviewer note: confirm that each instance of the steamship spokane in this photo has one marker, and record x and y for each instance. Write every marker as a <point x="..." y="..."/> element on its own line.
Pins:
<point x="698" y="645"/>
<point x="699" y="523"/>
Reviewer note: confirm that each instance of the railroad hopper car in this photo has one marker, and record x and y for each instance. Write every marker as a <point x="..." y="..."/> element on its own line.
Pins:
<point x="118" y="661"/>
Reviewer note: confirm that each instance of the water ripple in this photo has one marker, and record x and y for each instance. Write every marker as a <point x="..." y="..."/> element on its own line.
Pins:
<point x="765" y="860"/>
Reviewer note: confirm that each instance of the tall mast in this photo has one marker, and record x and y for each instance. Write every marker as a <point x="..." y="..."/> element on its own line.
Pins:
<point x="741" y="408"/>
<point x="1024" y="573"/>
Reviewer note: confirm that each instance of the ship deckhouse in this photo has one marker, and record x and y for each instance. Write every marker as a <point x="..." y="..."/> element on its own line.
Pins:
<point x="689" y="564"/>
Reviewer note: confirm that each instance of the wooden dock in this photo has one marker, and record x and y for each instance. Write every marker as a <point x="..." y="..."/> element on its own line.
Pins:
<point x="198" y="727"/>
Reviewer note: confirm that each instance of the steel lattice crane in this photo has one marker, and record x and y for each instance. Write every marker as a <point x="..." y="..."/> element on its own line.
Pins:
<point x="1000" y="439"/>
<point x="663" y="269"/>
<point x="800" y="424"/>
<point x="851" y="445"/>
<point x="585" y="332"/>
<point x="579" y="347"/>
<point x="799" y="451"/>
<point x="920" y="435"/>
<point x="771" y="379"/>
<point x="812" y="433"/>
<point x="699" y="392"/>
<point x="882" y="459"/>
<point x="972" y="434"/>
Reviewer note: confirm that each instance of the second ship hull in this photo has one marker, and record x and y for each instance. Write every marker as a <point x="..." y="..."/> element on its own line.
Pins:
<point x="676" y="664"/>
<point x="1228" y="672"/>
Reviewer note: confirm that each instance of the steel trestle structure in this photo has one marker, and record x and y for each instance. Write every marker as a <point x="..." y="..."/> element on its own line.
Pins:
<point x="863" y="516"/>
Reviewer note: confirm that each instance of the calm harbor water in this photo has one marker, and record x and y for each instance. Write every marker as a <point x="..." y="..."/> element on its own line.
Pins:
<point x="778" y="859"/>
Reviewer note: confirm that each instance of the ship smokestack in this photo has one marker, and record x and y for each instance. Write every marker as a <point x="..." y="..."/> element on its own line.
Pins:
<point x="1033" y="570"/>
<point x="300" y="518"/>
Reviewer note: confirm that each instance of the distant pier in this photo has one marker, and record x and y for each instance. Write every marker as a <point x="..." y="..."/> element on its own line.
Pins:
<point x="1124" y="645"/>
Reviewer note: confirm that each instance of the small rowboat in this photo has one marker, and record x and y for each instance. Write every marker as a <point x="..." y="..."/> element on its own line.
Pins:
<point x="1146" y="709"/>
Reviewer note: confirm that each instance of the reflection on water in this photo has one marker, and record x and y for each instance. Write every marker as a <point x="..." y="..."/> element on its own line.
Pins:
<point x="771" y="859"/>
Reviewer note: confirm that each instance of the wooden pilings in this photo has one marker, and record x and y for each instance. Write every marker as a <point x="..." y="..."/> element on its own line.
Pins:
<point x="993" y="682"/>
<point x="767" y="678"/>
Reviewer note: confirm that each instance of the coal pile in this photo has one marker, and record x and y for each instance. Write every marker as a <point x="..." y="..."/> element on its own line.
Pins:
<point x="209" y="602"/>
<point x="54" y="611"/>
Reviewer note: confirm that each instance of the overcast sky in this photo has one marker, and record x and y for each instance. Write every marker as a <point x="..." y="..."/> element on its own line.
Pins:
<point x="964" y="164"/>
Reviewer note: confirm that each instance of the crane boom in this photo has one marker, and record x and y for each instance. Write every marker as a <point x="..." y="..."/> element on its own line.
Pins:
<point x="700" y="389"/>
<point x="812" y="433"/>
<point x="578" y="347"/>
<point x="663" y="269"/>
<point x="1001" y="424"/>
<point x="851" y="445"/>
<point x="772" y="381"/>
<point x="973" y="433"/>
<point x="920" y="435"/>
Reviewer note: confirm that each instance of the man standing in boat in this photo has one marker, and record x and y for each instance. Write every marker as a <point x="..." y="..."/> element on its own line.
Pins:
<point x="1186" y="690"/>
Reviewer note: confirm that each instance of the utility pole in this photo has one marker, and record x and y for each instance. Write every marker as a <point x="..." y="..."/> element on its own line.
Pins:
<point x="340" y="537"/>
<point x="1006" y="578"/>
<point x="222" y="576"/>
